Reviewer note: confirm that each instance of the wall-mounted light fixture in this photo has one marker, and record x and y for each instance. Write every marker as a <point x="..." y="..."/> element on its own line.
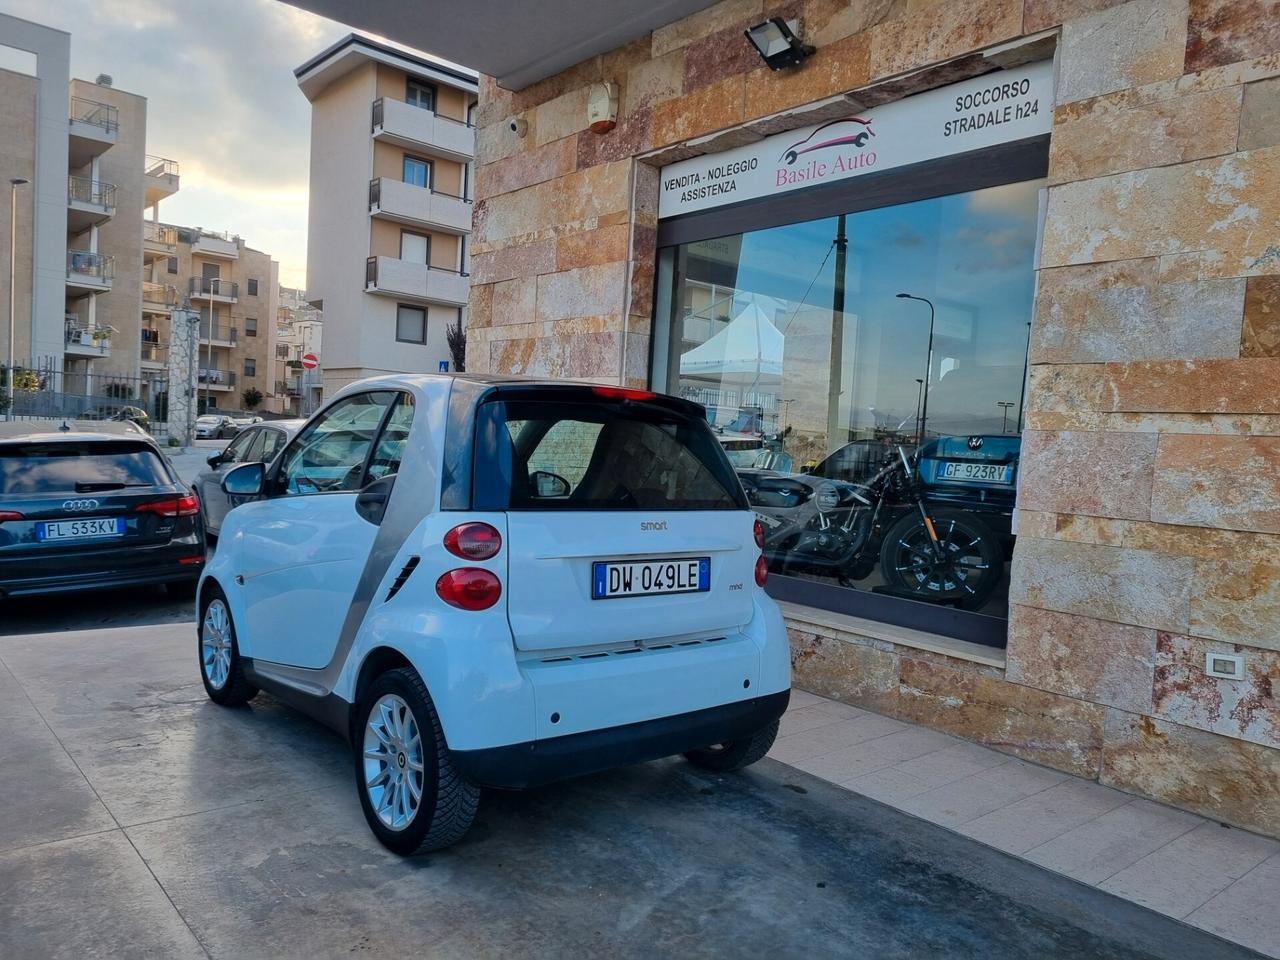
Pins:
<point x="602" y="107"/>
<point x="777" y="41"/>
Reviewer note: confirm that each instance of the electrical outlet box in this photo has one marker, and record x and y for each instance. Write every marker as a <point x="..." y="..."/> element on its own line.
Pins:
<point x="1228" y="666"/>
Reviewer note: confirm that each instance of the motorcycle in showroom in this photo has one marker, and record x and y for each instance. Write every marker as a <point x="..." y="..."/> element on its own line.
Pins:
<point x="842" y="529"/>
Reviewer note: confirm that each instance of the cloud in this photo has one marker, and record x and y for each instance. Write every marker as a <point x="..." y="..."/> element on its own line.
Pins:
<point x="221" y="100"/>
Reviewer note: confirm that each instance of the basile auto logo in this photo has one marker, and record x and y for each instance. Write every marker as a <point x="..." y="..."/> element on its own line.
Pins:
<point x="848" y="137"/>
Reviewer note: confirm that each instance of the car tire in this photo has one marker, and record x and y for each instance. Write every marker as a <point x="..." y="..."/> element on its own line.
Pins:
<point x="385" y="760"/>
<point x="221" y="670"/>
<point x="736" y="754"/>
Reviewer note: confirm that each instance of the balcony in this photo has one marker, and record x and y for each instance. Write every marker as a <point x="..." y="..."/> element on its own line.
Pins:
<point x="159" y="178"/>
<point x="214" y="379"/>
<point x="218" y="334"/>
<point x="154" y="354"/>
<point x="89" y="202"/>
<point x="407" y="280"/>
<point x="220" y="245"/>
<point x="212" y="288"/>
<point x="418" y="206"/>
<point x="84" y="341"/>
<point x="416" y="128"/>
<point x="159" y="241"/>
<point x="94" y="129"/>
<point x="158" y="297"/>
<point x="89" y="272"/>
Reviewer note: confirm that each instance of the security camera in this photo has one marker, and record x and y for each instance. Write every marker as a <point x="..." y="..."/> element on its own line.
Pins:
<point x="519" y="126"/>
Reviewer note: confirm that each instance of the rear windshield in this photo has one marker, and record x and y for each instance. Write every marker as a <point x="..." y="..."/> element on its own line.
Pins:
<point x="36" y="469"/>
<point x="548" y="455"/>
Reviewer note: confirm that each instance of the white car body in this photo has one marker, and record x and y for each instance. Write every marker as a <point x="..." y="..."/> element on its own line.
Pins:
<point x="546" y="683"/>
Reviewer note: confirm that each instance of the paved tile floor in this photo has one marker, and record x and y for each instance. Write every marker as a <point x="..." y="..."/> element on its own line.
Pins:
<point x="1224" y="880"/>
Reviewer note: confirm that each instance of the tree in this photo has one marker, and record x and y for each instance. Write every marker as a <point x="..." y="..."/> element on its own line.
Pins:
<point x="457" y="338"/>
<point x="251" y="397"/>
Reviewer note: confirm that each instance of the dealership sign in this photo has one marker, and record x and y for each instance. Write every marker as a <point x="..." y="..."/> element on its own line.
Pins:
<point x="1000" y="107"/>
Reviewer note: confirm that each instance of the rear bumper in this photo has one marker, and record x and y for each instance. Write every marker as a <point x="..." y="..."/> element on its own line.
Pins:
<point x="167" y="570"/>
<point x="537" y="762"/>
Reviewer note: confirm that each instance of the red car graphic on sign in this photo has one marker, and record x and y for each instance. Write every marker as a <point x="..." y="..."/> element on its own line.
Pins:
<point x="854" y="130"/>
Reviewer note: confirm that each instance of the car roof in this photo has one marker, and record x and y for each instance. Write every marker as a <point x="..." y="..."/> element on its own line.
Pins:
<point x="46" y="431"/>
<point x="288" y="426"/>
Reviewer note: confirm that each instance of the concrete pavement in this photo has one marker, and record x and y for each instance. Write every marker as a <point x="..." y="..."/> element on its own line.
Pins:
<point x="136" y="818"/>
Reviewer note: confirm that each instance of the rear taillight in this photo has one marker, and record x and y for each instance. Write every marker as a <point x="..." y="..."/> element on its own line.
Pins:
<point x="473" y="541"/>
<point x="469" y="588"/>
<point x="9" y="515"/>
<point x="759" y="533"/>
<point x="187" y="506"/>
<point x="762" y="571"/>
<point x="622" y="393"/>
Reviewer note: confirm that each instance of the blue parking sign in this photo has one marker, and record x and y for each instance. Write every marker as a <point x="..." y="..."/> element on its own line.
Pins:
<point x="444" y="366"/>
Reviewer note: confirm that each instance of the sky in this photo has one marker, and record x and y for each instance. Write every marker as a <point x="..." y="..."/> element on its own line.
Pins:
<point x="221" y="100"/>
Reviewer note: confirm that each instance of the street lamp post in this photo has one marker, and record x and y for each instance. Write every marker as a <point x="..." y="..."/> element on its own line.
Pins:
<point x="928" y="370"/>
<point x="14" y="184"/>
<point x="919" y="388"/>
<point x="192" y="388"/>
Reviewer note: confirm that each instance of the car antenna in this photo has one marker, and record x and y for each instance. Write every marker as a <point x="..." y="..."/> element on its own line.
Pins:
<point x="65" y="428"/>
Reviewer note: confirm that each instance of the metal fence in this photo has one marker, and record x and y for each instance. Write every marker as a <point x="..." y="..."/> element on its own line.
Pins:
<point x="46" y="393"/>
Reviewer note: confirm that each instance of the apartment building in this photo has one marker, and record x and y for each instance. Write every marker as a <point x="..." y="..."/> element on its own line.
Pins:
<point x="392" y="146"/>
<point x="235" y="290"/>
<point x="81" y="301"/>
<point x="299" y="331"/>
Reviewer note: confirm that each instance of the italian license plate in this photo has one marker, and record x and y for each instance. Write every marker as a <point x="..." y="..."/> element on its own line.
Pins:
<point x="643" y="578"/>
<point x="962" y="471"/>
<point x="91" y="528"/>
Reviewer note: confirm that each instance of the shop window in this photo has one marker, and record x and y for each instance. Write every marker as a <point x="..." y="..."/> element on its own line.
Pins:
<point x="411" y="324"/>
<point x="845" y="405"/>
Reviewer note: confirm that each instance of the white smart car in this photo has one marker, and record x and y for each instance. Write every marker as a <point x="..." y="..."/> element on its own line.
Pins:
<point x="497" y="582"/>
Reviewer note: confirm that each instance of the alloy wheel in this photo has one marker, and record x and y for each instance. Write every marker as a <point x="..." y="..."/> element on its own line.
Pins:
<point x="393" y="762"/>
<point x="215" y="644"/>
<point x="955" y="569"/>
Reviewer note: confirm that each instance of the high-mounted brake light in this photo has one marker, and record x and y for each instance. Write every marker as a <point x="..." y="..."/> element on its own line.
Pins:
<point x="9" y="515"/>
<point x="762" y="571"/>
<point x="759" y="534"/>
<point x="187" y="506"/>
<point x="473" y="541"/>
<point x="622" y="393"/>
<point x="469" y="588"/>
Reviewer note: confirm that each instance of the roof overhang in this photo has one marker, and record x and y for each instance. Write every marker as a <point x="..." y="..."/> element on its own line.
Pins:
<point x="515" y="41"/>
<point x="352" y="50"/>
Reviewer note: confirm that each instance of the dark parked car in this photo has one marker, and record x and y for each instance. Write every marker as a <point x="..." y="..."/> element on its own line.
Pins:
<point x="256" y="444"/>
<point x="92" y="506"/>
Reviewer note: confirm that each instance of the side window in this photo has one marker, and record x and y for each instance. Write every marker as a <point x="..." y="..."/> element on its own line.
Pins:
<point x="328" y="455"/>
<point x="255" y="450"/>
<point x="238" y="449"/>
<point x="390" y="449"/>
<point x="271" y="444"/>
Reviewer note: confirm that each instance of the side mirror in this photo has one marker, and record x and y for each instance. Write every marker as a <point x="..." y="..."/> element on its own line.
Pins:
<point x="215" y="460"/>
<point x="548" y="485"/>
<point x="246" y="480"/>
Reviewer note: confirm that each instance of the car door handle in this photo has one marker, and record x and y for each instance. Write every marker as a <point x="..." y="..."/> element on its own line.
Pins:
<point x="371" y="502"/>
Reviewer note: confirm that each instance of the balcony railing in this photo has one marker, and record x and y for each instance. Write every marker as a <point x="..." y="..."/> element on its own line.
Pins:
<point x="379" y="113"/>
<point x="218" y="331"/>
<point x="164" y="293"/>
<point x="215" y="377"/>
<point x="160" y="233"/>
<point x="82" y="263"/>
<point x="87" y="190"/>
<point x="160" y="167"/>
<point x="213" y="287"/>
<point x="98" y="114"/>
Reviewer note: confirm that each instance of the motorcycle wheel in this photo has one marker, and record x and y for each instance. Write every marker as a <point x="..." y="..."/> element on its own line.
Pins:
<point x="966" y="575"/>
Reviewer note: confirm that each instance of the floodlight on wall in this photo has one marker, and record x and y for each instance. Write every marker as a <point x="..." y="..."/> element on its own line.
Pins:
<point x="777" y="41"/>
